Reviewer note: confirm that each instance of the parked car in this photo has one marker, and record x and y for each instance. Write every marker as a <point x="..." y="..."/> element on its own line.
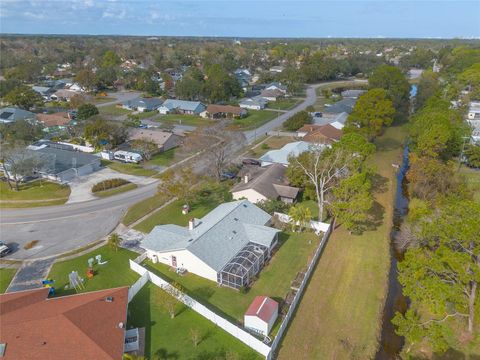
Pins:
<point x="4" y="249"/>
<point x="250" y="162"/>
<point x="226" y="175"/>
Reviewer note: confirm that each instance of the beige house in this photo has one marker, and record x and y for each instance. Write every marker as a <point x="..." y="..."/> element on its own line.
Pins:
<point x="163" y="139"/>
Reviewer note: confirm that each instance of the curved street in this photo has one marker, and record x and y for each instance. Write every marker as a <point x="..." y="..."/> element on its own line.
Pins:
<point x="63" y="228"/>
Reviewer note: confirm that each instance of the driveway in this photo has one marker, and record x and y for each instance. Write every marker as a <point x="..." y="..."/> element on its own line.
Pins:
<point x="81" y="186"/>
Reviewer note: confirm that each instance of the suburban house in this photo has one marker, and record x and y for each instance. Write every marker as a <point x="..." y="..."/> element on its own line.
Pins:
<point x="343" y="106"/>
<point x="320" y="134"/>
<point x="276" y="86"/>
<point x="261" y="315"/>
<point x="55" y="121"/>
<point x="474" y="110"/>
<point x="353" y="93"/>
<point x="272" y="94"/>
<point x="44" y="91"/>
<point x="336" y="120"/>
<point x="223" y="111"/>
<point x="265" y="183"/>
<point x="181" y="107"/>
<point x="244" y="77"/>
<point x="255" y="103"/>
<point x="229" y="245"/>
<point x="62" y="163"/>
<point x="163" y="139"/>
<point x="277" y="69"/>
<point x="142" y="104"/>
<point x="281" y="156"/>
<point x="76" y="87"/>
<point x="77" y="327"/>
<point x="63" y="95"/>
<point x="12" y="114"/>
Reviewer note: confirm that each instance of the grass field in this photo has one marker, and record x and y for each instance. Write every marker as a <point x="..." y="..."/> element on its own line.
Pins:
<point x="163" y="159"/>
<point x="283" y="104"/>
<point x="272" y="143"/>
<point x="142" y="208"/>
<point x="34" y="193"/>
<point x="170" y="338"/>
<point x="131" y="169"/>
<point x="180" y="119"/>
<point x="117" y="190"/>
<point x="254" y="119"/>
<point x="6" y="276"/>
<point x="274" y="280"/>
<point x="472" y="177"/>
<point x="116" y="272"/>
<point x="113" y="110"/>
<point x="339" y="316"/>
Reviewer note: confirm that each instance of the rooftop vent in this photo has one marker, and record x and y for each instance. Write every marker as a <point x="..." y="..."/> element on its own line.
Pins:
<point x="109" y="299"/>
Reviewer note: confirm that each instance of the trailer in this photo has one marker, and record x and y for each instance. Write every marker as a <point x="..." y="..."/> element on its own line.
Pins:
<point x="127" y="156"/>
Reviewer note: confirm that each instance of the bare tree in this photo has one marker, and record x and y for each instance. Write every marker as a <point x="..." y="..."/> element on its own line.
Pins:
<point x="17" y="162"/>
<point x="177" y="184"/>
<point x="146" y="146"/>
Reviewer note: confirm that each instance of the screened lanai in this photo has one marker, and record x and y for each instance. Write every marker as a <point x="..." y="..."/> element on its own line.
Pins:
<point x="244" y="266"/>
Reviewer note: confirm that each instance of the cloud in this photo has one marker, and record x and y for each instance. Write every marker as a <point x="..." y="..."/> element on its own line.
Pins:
<point x="37" y="16"/>
<point x="114" y="14"/>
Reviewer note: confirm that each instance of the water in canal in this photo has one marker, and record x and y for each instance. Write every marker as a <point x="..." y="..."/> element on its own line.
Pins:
<point x="391" y="344"/>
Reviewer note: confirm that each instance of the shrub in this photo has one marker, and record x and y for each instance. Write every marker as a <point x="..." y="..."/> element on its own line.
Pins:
<point x="297" y="121"/>
<point x="265" y="146"/>
<point x="109" y="184"/>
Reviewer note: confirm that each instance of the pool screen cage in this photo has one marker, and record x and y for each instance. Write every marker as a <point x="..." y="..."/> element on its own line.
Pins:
<point x="244" y="266"/>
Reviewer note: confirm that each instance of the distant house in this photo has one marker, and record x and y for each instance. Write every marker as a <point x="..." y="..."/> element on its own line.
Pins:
<point x="229" y="245"/>
<point x="44" y="91"/>
<point x="77" y="327"/>
<point x="62" y="163"/>
<point x="267" y="183"/>
<point x="320" y="134"/>
<point x="77" y="87"/>
<point x="163" y="139"/>
<point x="181" y="107"/>
<point x="223" y="111"/>
<point x="55" y="121"/>
<point x="336" y="120"/>
<point x="272" y="94"/>
<point x="63" y="95"/>
<point x="277" y="69"/>
<point x="142" y="104"/>
<point x="281" y="156"/>
<point x="474" y="110"/>
<point x="261" y="315"/>
<point x="353" y="93"/>
<point x="276" y="86"/>
<point x="12" y="114"/>
<point x="255" y="103"/>
<point x="244" y="77"/>
<point x="343" y="106"/>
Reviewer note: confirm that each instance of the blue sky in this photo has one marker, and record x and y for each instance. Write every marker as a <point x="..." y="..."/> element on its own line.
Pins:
<point x="400" y="18"/>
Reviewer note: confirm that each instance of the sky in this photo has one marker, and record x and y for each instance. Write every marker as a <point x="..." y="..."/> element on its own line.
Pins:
<point x="289" y="19"/>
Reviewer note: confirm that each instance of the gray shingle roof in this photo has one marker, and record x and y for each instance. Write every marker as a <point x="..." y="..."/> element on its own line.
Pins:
<point x="11" y="114"/>
<point x="280" y="156"/>
<point x="218" y="236"/>
<point x="183" y="105"/>
<point x="345" y="105"/>
<point x="147" y="103"/>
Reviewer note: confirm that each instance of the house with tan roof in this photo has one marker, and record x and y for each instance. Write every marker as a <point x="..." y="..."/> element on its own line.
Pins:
<point x="54" y="121"/>
<point x="319" y="134"/>
<point x="77" y="327"/>
<point x="214" y="111"/>
<point x="165" y="140"/>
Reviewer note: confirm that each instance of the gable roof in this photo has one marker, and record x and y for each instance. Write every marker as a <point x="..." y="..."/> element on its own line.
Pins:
<point x="262" y="307"/>
<point x="218" y="236"/>
<point x="157" y="136"/>
<point x="227" y="109"/>
<point x="55" y="119"/>
<point x="148" y="103"/>
<point x="345" y="105"/>
<point x="280" y="156"/>
<point x="11" y="114"/>
<point x="271" y="93"/>
<point x="270" y="182"/>
<point x="182" y="104"/>
<point x="317" y="133"/>
<point x="76" y="327"/>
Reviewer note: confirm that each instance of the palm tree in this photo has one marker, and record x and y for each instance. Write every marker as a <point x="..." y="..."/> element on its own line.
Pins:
<point x="114" y="241"/>
<point x="299" y="215"/>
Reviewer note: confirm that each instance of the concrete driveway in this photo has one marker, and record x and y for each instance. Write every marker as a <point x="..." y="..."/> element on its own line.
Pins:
<point x="81" y="187"/>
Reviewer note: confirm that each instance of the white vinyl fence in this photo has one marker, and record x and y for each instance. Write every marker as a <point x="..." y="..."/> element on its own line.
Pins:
<point x="135" y="288"/>
<point x="317" y="226"/>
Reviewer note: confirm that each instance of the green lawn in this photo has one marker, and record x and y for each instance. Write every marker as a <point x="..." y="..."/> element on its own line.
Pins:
<point x="340" y="313"/>
<point x="172" y="214"/>
<point x="116" y="272"/>
<point x="283" y="104"/>
<point x="254" y="119"/>
<point x="170" y="338"/>
<point x="117" y="190"/>
<point x="131" y="169"/>
<point x="274" y="280"/>
<point x="103" y="99"/>
<point x="6" y="276"/>
<point x="272" y="143"/>
<point x="113" y="110"/>
<point x="472" y="177"/>
<point x="180" y="119"/>
<point x="142" y="208"/>
<point x="163" y="159"/>
<point x="147" y="114"/>
<point x="35" y="191"/>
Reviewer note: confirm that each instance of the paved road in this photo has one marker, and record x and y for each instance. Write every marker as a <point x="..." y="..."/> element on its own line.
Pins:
<point x="66" y="227"/>
<point x="120" y="96"/>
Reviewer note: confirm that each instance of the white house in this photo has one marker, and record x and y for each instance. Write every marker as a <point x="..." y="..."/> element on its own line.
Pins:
<point x="229" y="245"/>
<point x="474" y="110"/>
<point x="255" y="103"/>
<point x="181" y="107"/>
<point x="261" y="315"/>
<point x="277" y="69"/>
<point x="280" y="156"/>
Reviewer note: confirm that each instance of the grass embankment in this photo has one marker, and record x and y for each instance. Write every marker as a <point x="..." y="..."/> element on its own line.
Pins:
<point x="274" y="280"/>
<point x="165" y="158"/>
<point x="116" y="272"/>
<point x="254" y="119"/>
<point x="283" y="104"/>
<point x="171" y="338"/>
<point x="113" y="110"/>
<point x="115" y="191"/>
<point x="142" y="208"/>
<point x="34" y="193"/>
<point x="131" y="169"/>
<point x="6" y="276"/>
<point x="340" y="314"/>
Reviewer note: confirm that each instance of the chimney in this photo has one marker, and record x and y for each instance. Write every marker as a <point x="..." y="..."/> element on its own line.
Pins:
<point x="246" y="179"/>
<point x="191" y="224"/>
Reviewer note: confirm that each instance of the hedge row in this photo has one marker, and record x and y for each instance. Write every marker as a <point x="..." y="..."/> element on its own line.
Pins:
<point x="109" y="184"/>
